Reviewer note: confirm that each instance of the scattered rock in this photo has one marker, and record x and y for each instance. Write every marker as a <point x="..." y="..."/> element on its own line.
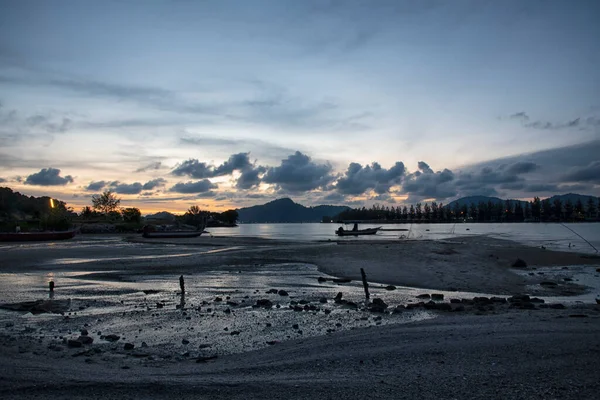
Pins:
<point x="159" y="305"/>
<point x="185" y="341"/>
<point x="272" y="291"/>
<point x="74" y="343"/>
<point x="227" y="311"/>
<point x="272" y="342"/>
<point x="338" y="297"/>
<point x="144" y="344"/>
<point x="265" y="303"/>
<point x="84" y="332"/>
<point x="295" y="326"/>
<point x="390" y="287"/>
<point x="217" y="299"/>
<point x="283" y="293"/>
<point x="437" y="296"/>
<point x="202" y="359"/>
<point x="519" y="264"/>
<point x="235" y="333"/>
<point x="378" y="305"/>
<point x="557" y="306"/>
<point x="424" y="296"/>
<point x="85" y="339"/>
<point x="111" y="337"/>
<point x="549" y="284"/>
<point x="323" y="300"/>
<point x="129" y="346"/>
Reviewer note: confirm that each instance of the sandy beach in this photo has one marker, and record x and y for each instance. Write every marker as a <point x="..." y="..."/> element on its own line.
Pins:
<point x="265" y="319"/>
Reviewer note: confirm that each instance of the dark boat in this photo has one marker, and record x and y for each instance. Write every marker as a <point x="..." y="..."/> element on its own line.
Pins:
<point x="36" y="236"/>
<point x="356" y="232"/>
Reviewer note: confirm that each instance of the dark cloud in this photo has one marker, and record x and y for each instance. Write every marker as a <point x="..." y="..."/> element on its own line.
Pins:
<point x="358" y="179"/>
<point x="95" y="186"/>
<point x="588" y="173"/>
<point x="127" y="188"/>
<point x="235" y="162"/>
<point x="425" y="183"/>
<point x="541" y="187"/>
<point x="194" y="169"/>
<point x="250" y="177"/>
<point x="154" y="183"/>
<point x="2" y="180"/>
<point x="522" y="168"/>
<point x="149" y="167"/>
<point x="48" y="177"/>
<point x="193" y="187"/>
<point x="299" y="173"/>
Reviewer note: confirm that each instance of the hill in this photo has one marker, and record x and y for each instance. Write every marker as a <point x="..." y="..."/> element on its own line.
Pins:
<point x="573" y="197"/>
<point x="285" y="210"/>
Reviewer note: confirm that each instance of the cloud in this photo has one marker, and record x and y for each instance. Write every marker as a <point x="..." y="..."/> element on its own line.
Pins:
<point x="193" y="187"/>
<point x="152" y="166"/>
<point x="358" y="179"/>
<point x="154" y="183"/>
<point x="194" y="169"/>
<point x="127" y="188"/>
<point x="95" y="186"/>
<point x="48" y="177"/>
<point x="298" y="173"/>
<point x="522" y="168"/>
<point x="425" y="183"/>
<point x="235" y="162"/>
<point x="588" y="173"/>
<point x="2" y="180"/>
<point x="579" y="122"/>
<point x="250" y="177"/>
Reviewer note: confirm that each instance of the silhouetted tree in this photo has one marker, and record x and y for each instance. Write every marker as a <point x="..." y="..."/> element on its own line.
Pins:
<point x="404" y="213"/>
<point x="536" y="208"/>
<point x="557" y="208"/>
<point x="568" y="210"/>
<point x="427" y="212"/>
<point x="579" y="210"/>
<point x="106" y="202"/>
<point x="591" y="208"/>
<point x="131" y="214"/>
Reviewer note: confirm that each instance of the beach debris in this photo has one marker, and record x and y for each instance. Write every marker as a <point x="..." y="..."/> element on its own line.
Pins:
<point x="519" y="264"/>
<point x="437" y="296"/>
<point x="182" y="284"/>
<point x="128" y="346"/>
<point x="365" y="283"/>
<point x="282" y="293"/>
<point x="390" y="287"/>
<point x="423" y="296"/>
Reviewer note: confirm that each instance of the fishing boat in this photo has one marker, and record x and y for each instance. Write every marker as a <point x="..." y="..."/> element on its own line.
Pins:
<point x="36" y="236"/>
<point x="355" y="232"/>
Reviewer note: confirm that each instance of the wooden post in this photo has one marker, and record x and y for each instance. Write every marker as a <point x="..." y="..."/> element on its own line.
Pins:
<point x="51" y="286"/>
<point x="182" y="284"/>
<point x="365" y="283"/>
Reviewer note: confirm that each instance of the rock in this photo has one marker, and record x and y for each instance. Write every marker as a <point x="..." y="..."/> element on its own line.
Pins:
<point x="519" y="264"/>
<point x="321" y="279"/>
<point x="227" y="311"/>
<point x="282" y="293"/>
<point x="159" y="305"/>
<point x="266" y="303"/>
<point x="399" y="308"/>
<point x="338" y="297"/>
<point x="185" y="341"/>
<point x="323" y="300"/>
<point x="272" y="342"/>
<point x="111" y="337"/>
<point x="272" y="291"/>
<point x="235" y="333"/>
<point x="295" y="326"/>
<point x="459" y="308"/>
<point x="567" y="279"/>
<point x="518" y="298"/>
<point x="437" y="296"/>
<point x="455" y="301"/>
<point x="498" y="300"/>
<point x="144" y="344"/>
<point x="424" y="296"/>
<point x="443" y="306"/>
<point x="203" y="359"/>
<point x="536" y="300"/>
<point x="232" y="303"/>
<point x="430" y="305"/>
<point x="74" y="343"/>
<point x="129" y="346"/>
<point x="84" y="332"/>
<point x="390" y="287"/>
<point x="557" y="306"/>
<point x="217" y="299"/>
<point x="378" y="305"/>
<point x="85" y="339"/>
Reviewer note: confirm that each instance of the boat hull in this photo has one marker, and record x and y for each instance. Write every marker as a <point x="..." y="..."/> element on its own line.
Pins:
<point x="370" y="231"/>
<point x="36" y="236"/>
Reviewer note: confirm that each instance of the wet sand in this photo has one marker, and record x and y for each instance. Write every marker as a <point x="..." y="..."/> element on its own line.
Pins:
<point x="304" y="347"/>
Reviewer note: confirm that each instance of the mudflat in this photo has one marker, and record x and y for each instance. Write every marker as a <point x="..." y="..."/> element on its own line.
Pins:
<point x="302" y="343"/>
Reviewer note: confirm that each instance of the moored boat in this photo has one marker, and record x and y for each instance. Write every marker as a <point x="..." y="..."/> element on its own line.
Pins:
<point x="356" y="232"/>
<point x="36" y="236"/>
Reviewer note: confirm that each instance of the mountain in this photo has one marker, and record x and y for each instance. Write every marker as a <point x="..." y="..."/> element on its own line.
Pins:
<point x="285" y="210"/>
<point x="573" y="197"/>
<point x="161" y="216"/>
<point x="479" y="199"/>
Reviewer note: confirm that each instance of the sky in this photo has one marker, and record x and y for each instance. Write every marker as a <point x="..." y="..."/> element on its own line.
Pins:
<point x="226" y="104"/>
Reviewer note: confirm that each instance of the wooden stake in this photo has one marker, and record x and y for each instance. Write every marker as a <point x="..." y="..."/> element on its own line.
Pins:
<point x="365" y="283"/>
<point x="182" y="284"/>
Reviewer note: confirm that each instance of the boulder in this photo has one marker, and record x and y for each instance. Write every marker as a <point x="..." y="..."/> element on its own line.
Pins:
<point x="128" y="346"/>
<point x="519" y="264"/>
<point x="265" y="303"/>
<point x="437" y="296"/>
<point x="390" y="287"/>
<point x="283" y="293"/>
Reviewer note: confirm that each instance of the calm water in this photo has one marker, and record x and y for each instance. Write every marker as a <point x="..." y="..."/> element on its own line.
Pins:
<point x="552" y="236"/>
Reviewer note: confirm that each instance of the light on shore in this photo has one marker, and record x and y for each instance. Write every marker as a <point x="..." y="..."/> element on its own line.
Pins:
<point x="51" y="203"/>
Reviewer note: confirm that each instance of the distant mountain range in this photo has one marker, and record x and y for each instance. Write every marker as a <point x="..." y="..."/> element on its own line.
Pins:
<point x="573" y="197"/>
<point x="285" y="210"/>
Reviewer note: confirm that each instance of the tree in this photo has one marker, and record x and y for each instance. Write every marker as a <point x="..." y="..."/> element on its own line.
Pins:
<point x="131" y="214"/>
<point x="579" y="211"/>
<point x="427" y="210"/>
<point x="229" y="216"/>
<point x="419" y="211"/>
<point x="536" y="208"/>
<point x="106" y="202"/>
<point x="546" y="209"/>
<point x="568" y="210"/>
<point x="195" y="216"/>
<point x="412" y="212"/>
<point x="557" y="208"/>
<point x="591" y="208"/>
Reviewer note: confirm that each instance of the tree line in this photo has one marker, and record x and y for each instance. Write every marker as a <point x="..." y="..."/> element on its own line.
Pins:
<point x="507" y="211"/>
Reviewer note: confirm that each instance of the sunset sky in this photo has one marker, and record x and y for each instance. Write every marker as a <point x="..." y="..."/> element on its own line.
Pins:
<point x="225" y="104"/>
